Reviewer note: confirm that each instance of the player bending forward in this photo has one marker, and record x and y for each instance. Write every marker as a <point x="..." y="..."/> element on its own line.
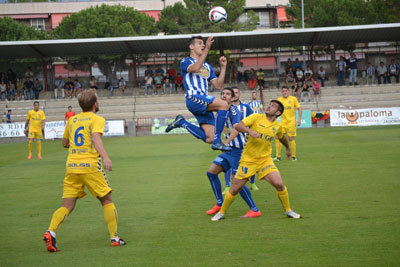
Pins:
<point x="256" y="157"/>
<point x="84" y="168"/>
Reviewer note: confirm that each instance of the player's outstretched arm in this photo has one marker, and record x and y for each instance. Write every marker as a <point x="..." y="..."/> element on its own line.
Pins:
<point x="232" y="136"/>
<point x="219" y="82"/>
<point x="99" y="146"/>
<point x="195" y="68"/>
<point x="284" y="142"/>
<point x="240" y="127"/>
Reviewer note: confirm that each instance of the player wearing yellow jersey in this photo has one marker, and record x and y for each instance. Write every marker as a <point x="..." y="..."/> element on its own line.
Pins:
<point x="288" y="122"/>
<point x="256" y="157"/>
<point x="36" y="121"/>
<point x="82" y="136"/>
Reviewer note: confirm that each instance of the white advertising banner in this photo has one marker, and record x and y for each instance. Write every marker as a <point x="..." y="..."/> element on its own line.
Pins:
<point x="365" y="117"/>
<point x="114" y="128"/>
<point x="12" y="129"/>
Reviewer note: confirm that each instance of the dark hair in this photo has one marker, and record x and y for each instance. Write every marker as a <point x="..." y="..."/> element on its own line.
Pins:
<point x="191" y="40"/>
<point x="285" y="87"/>
<point x="69" y="107"/>
<point x="36" y="102"/>
<point x="9" y="110"/>
<point x="280" y="108"/>
<point x="230" y="90"/>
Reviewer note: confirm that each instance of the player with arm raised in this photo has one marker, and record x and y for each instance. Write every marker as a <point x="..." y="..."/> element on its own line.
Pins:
<point x="196" y="74"/>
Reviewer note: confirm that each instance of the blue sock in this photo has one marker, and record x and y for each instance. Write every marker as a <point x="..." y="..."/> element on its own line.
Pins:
<point x="252" y="179"/>
<point x="228" y="175"/>
<point x="246" y="195"/>
<point x="219" y="125"/>
<point x="216" y="187"/>
<point x="196" y="131"/>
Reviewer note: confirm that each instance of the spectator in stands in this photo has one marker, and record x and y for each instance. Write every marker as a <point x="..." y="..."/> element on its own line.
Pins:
<point x="299" y="76"/>
<point x="77" y="87"/>
<point x="69" y="88"/>
<point x="28" y="87"/>
<point x="158" y="82"/>
<point x="260" y="78"/>
<point x="305" y="90"/>
<point x="167" y="82"/>
<point x="122" y="85"/>
<point x="340" y="70"/>
<point x="308" y="75"/>
<point x="59" y="87"/>
<point x="28" y="73"/>
<point x="68" y="114"/>
<point x="147" y="71"/>
<point x="290" y="77"/>
<point x="148" y="83"/>
<point x="297" y="64"/>
<point x="289" y="65"/>
<point x="11" y="77"/>
<point x="114" y="84"/>
<point x="370" y="73"/>
<point x="393" y="70"/>
<point x="382" y="72"/>
<point x="8" y="117"/>
<point x="3" y="90"/>
<point x="322" y="76"/>
<point x="20" y="88"/>
<point x="160" y="71"/>
<point x="179" y="82"/>
<point x="241" y="73"/>
<point x="10" y="90"/>
<point x="37" y="87"/>
<point x="93" y="83"/>
<point x="353" y="69"/>
<point x="232" y="71"/>
<point x="316" y="87"/>
<point x="296" y="90"/>
<point x="252" y="79"/>
<point x="217" y="70"/>
<point x="172" y="72"/>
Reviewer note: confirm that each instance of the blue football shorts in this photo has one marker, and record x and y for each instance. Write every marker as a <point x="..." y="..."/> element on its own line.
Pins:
<point x="229" y="160"/>
<point x="197" y="104"/>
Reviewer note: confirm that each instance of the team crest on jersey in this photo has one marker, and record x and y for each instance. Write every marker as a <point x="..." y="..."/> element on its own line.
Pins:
<point x="203" y="72"/>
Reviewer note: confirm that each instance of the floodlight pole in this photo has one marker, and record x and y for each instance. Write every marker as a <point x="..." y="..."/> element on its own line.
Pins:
<point x="302" y="25"/>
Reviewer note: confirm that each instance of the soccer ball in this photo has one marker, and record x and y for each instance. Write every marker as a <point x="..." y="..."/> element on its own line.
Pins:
<point x="217" y="14"/>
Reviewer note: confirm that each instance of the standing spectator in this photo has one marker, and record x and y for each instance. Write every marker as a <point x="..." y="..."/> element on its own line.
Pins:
<point x="122" y="85"/>
<point x="260" y="78"/>
<point x="160" y="71"/>
<point x="37" y="87"/>
<point x="252" y="79"/>
<point x="147" y="71"/>
<point x="28" y="73"/>
<point x="158" y="82"/>
<point x="322" y="76"/>
<point x="289" y="65"/>
<point x="93" y="83"/>
<point x="370" y="73"/>
<point x="255" y="104"/>
<point x="148" y="83"/>
<point x="8" y="117"/>
<point x="340" y="70"/>
<point x="59" y="83"/>
<point x="179" y="82"/>
<point x="20" y="88"/>
<point x="382" y="72"/>
<point x="316" y="87"/>
<point x="3" y="90"/>
<point x="299" y="76"/>
<point x="114" y="84"/>
<point x="77" y="87"/>
<point x="69" y="87"/>
<point x="289" y="77"/>
<point x="11" y="76"/>
<point x="68" y="114"/>
<point x="297" y="64"/>
<point x="10" y="90"/>
<point x="167" y="82"/>
<point x="393" y="70"/>
<point x="308" y="74"/>
<point x="353" y="69"/>
<point x="241" y="73"/>
<point x="28" y="87"/>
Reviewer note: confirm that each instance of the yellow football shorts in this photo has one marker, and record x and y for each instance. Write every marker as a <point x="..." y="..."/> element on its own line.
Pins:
<point x="96" y="182"/>
<point x="289" y="129"/>
<point x="247" y="169"/>
<point x="35" y="135"/>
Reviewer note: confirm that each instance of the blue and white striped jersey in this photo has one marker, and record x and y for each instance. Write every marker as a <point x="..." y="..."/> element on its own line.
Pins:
<point x="255" y="105"/>
<point x="245" y="109"/>
<point x="196" y="83"/>
<point x="235" y="116"/>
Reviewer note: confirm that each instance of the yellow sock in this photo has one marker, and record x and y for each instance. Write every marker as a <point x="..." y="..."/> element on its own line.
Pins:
<point x="58" y="218"/>
<point x="227" y="202"/>
<point x="284" y="198"/>
<point x="278" y="148"/>
<point x="30" y="147"/>
<point x="39" y="147"/>
<point x="111" y="218"/>
<point x="293" y="147"/>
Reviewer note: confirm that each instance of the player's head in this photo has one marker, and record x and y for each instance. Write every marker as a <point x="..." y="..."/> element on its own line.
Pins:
<point x="254" y="95"/>
<point x="69" y="108"/>
<point x="9" y="111"/>
<point x="196" y="45"/>
<point x="88" y="100"/>
<point x="285" y="91"/>
<point x="227" y="94"/>
<point x="236" y="98"/>
<point x="275" y="108"/>
<point x="36" y="105"/>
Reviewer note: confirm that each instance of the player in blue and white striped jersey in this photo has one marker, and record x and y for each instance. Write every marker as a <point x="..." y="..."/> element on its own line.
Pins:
<point x="230" y="159"/>
<point x="255" y="104"/>
<point x="196" y="74"/>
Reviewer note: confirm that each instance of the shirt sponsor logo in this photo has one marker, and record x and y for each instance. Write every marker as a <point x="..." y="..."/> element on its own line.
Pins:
<point x="76" y="165"/>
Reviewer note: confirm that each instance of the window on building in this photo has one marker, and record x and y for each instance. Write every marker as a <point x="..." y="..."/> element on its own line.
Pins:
<point x="38" y="24"/>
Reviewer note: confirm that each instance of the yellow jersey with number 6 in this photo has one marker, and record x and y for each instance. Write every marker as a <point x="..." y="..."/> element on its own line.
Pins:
<point x="83" y="157"/>
<point x="35" y="120"/>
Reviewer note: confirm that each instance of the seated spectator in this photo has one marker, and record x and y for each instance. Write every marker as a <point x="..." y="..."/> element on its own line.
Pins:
<point x="114" y="84"/>
<point x="382" y="72"/>
<point x="77" y="87"/>
<point x="370" y="73"/>
<point x="290" y="77"/>
<point x="305" y="91"/>
<point x="299" y="76"/>
<point x="241" y="73"/>
<point x="252" y="79"/>
<point x="122" y="85"/>
<point x="289" y="65"/>
<point x="167" y="82"/>
<point x="232" y="71"/>
<point x="260" y="78"/>
<point x="68" y="114"/>
<point x="316" y="87"/>
<point x="10" y="91"/>
<point x="297" y="64"/>
<point x="148" y="83"/>
<point x="20" y="88"/>
<point x="296" y="90"/>
<point x="158" y="82"/>
<point x="28" y="73"/>
<point x="172" y="72"/>
<point x="11" y="76"/>
<point x="147" y="71"/>
<point x="37" y="87"/>
<point x="28" y="88"/>
<point x="3" y="90"/>
<point x="69" y="88"/>
<point x="93" y="83"/>
<point x="393" y="70"/>
<point x="160" y="71"/>
<point x="179" y="82"/>
<point x="308" y="75"/>
<point x="322" y="76"/>
<point x="59" y="87"/>
<point x="8" y="117"/>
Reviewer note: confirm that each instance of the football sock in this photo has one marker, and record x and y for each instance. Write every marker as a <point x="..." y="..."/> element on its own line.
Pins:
<point x="284" y="198"/>
<point x="111" y="218"/>
<point x="228" y="175"/>
<point x="246" y="195"/>
<point x="252" y="179"/>
<point x="219" y="125"/>
<point x="58" y="218"/>
<point x="196" y="131"/>
<point x="216" y="187"/>
<point x="227" y="202"/>
<point x="30" y="147"/>
<point x="39" y="147"/>
<point x="278" y="148"/>
<point x="293" y="147"/>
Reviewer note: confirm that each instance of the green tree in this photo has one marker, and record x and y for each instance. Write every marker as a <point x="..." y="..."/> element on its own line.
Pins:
<point x="192" y="17"/>
<point x="11" y="30"/>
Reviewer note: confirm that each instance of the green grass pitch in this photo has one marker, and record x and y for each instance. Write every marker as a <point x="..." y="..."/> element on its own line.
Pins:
<point x="346" y="184"/>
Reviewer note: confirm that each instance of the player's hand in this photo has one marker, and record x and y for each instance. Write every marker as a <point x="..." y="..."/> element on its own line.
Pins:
<point x="288" y="153"/>
<point x="107" y="163"/>
<point x="222" y="61"/>
<point x="299" y="122"/>
<point x="26" y="133"/>
<point x="254" y="134"/>
<point x="209" y="42"/>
